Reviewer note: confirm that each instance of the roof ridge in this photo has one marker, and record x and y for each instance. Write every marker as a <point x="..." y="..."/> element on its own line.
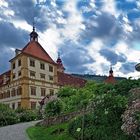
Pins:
<point x="43" y="49"/>
<point x="35" y="49"/>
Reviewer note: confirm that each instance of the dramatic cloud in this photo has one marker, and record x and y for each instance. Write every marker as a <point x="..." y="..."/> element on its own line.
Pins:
<point x="112" y="57"/>
<point x="91" y="35"/>
<point x="104" y="26"/>
<point x="11" y="36"/>
<point x="75" y="57"/>
<point x="127" y="67"/>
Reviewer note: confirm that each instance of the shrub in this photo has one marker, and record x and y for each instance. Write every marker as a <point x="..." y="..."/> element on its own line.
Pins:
<point x="7" y="115"/>
<point x="131" y="119"/>
<point x="53" y="108"/>
<point x="26" y="115"/>
<point x="66" y="92"/>
<point x="105" y="121"/>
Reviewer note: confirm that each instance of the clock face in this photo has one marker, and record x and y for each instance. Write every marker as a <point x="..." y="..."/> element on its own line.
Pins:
<point x="137" y="67"/>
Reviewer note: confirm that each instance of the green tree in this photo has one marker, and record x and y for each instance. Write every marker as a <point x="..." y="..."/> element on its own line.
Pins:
<point x="7" y="115"/>
<point x="53" y="108"/>
<point x="66" y="92"/>
<point x="105" y="121"/>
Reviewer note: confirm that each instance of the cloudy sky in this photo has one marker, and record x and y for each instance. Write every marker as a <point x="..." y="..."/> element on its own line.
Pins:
<point x="90" y="35"/>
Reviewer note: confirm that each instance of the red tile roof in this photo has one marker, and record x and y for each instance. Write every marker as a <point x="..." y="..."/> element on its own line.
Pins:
<point x="65" y="79"/>
<point x="110" y="79"/>
<point x="33" y="48"/>
<point x="7" y="73"/>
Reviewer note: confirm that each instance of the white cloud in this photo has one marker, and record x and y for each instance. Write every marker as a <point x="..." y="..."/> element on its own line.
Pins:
<point x="110" y="7"/>
<point x="93" y="51"/>
<point x="74" y="22"/>
<point x="122" y="47"/>
<point x="22" y="24"/>
<point x="50" y="41"/>
<point x="53" y="36"/>
<point x="131" y="54"/>
<point x="3" y="3"/>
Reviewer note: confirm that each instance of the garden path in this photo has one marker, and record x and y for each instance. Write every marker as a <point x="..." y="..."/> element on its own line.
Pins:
<point x="16" y="132"/>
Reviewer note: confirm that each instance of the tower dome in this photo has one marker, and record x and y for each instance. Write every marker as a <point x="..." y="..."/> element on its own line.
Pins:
<point x="110" y="71"/>
<point x="60" y="64"/>
<point x="33" y="35"/>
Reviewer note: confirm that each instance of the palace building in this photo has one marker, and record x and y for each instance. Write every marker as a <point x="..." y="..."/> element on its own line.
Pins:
<point x="33" y="75"/>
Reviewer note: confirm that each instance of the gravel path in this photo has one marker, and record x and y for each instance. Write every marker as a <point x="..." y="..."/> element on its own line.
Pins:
<point x="15" y="132"/>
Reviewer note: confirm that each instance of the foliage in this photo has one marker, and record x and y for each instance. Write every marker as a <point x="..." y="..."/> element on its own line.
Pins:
<point x="131" y="117"/>
<point x="124" y="86"/>
<point x="66" y="92"/>
<point x="7" y="115"/>
<point x="105" y="121"/>
<point x="43" y="133"/>
<point x="26" y="115"/>
<point x="93" y="130"/>
<point x="53" y="108"/>
<point x="107" y="101"/>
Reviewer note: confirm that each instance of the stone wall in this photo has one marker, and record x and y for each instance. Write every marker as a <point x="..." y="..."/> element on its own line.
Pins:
<point x="62" y="118"/>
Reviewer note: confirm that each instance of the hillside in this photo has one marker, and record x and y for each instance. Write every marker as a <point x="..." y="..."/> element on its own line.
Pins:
<point x="97" y="78"/>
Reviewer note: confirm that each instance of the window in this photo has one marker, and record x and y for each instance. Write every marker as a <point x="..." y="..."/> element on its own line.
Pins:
<point x="8" y="94"/>
<point x="13" y="92"/>
<point x="13" y="65"/>
<point x="14" y="75"/>
<point x="50" y="78"/>
<point x="42" y="66"/>
<point x="32" y="63"/>
<point x="32" y="73"/>
<point x="33" y="90"/>
<point x="33" y="105"/>
<point x="19" y="104"/>
<point x="43" y="91"/>
<point x="4" y="95"/>
<point x="1" y="96"/>
<point x="19" y="91"/>
<point x="42" y="76"/>
<point x="19" y="73"/>
<point x="51" y="92"/>
<point x="19" y="62"/>
<point x="13" y="105"/>
<point x="50" y="69"/>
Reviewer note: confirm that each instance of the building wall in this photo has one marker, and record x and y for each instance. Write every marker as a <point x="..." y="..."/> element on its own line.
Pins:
<point x="26" y="81"/>
<point x="12" y="98"/>
<point x="39" y="71"/>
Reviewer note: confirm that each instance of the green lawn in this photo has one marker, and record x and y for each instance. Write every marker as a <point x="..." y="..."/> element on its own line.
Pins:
<point x="55" y="132"/>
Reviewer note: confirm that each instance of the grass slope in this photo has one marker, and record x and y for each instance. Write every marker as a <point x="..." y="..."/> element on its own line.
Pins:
<point x="55" y="132"/>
